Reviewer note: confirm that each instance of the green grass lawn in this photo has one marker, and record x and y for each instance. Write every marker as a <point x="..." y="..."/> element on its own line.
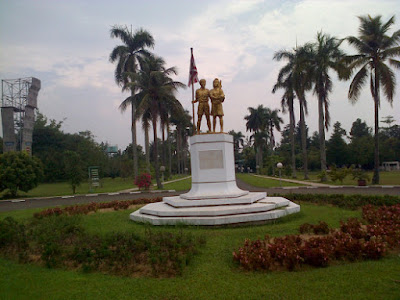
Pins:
<point x="212" y="274"/>
<point x="181" y="185"/>
<point x="63" y="188"/>
<point x="263" y="182"/>
<point x="386" y="178"/>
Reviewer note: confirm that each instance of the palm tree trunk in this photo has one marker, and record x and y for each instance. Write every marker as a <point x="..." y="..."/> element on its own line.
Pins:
<point x="291" y="133"/>
<point x="322" y="137"/>
<point x="375" y="177"/>
<point x="303" y="140"/>
<point x="169" y="150"/>
<point x="134" y="143"/>
<point x="147" y="148"/>
<point x="156" y="165"/>
<point x="164" y="153"/>
<point x="178" y="150"/>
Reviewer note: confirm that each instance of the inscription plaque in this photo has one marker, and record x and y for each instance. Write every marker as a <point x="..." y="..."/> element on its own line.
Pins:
<point x="211" y="159"/>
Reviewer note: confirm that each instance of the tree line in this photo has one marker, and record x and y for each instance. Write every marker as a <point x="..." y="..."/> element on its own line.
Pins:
<point x="309" y="67"/>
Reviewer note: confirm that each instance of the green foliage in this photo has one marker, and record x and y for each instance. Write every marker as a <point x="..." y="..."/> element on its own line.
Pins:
<point x="345" y="201"/>
<point x="61" y="241"/>
<point x="337" y="149"/>
<point x="50" y="145"/>
<point x="73" y="169"/>
<point x="339" y="174"/>
<point x="359" y="174"/>
<point x="19" y="171"/>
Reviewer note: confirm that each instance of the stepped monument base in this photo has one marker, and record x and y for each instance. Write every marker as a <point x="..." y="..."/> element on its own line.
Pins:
<point x="214" y="198"/>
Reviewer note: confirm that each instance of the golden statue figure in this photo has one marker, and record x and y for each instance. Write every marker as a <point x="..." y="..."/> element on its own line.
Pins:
<point x="217" y="97"/>
<point x="202" y="96"/>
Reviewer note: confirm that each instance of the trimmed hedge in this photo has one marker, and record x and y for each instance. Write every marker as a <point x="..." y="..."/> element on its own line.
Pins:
<point x="345" y="201"/>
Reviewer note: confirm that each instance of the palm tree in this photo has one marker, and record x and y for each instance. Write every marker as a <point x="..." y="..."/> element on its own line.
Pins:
<point x="126" y="56"/>
<point x="296" y="77"/>
<point x="257" y="123"/>
<point x="238" y="140"/>
<point x="274" y="121"/>
<point x="374" y="48"/>
<point x="155" y="91"/>
<point x="146" y="118"/>
<point x="287" y="84"/>
<point x="182" y="122"/>
<point x="326" y="56"/>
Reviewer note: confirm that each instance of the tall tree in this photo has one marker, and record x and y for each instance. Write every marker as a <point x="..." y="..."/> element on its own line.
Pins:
<point x="155" y="92"/>
<point x="296" y="77"/>
<point x="325" y="56"/>
<point x="273" y="121"/>
<point x="257" y="123"/>
<point x="337" y="149"/>
<point x="375" y="49"/>
<point x="287" y="84"/>
<point x="126" y="55"/>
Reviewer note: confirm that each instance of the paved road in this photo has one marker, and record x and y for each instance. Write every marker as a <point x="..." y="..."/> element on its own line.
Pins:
<point x="10" y="205"/>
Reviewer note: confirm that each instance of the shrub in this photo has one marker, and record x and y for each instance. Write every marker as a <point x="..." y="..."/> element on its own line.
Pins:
<point x="353" y="241"/>
<point x="345" y="201"/>
<point x="339" y="174"/>
<point x="19" y="171"/>
<point x="61" y="241"/>
<point x="143" y="181"/>
<point x="92" y="207"/>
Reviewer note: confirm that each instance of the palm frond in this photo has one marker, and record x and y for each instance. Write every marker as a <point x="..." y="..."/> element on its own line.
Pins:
<point x="357" y="83"/>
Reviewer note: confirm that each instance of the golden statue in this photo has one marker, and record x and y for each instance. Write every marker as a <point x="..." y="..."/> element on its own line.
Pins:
<point x="202" y="96"/>
<point x="217" y="97"/>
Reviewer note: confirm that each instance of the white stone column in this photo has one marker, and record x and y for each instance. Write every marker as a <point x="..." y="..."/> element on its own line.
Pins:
<point x="213" y="167"/>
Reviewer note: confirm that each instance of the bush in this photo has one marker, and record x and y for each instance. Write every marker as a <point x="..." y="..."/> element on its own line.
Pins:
<point x="143" y="181"/>
<point x="345" y="201"/>
<point x="352" y="242"/>
<point x="84" y="209"/>
<point x="338" y="174"/>
<point x="61" y="241"/>
<point x="19" y="171"/>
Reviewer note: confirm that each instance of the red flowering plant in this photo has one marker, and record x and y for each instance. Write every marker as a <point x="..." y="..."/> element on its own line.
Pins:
<point x="143" y="181"/>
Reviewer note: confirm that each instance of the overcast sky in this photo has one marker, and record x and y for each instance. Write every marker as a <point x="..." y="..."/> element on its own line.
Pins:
<point x="66" y="44"/>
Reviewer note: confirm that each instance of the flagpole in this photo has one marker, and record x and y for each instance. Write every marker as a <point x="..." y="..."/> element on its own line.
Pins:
<point x="194" y="121"/>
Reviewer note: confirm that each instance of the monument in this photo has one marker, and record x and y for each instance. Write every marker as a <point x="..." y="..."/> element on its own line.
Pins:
<point x="214" y="198"/>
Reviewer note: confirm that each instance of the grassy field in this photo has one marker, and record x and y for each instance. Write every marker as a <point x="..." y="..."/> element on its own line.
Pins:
<point x="386" y="178"/>
<point x="181" y="185"/>
<point x="108" y="185"/>
<point x="263" y="182"/>
<point x="212" y="274"/>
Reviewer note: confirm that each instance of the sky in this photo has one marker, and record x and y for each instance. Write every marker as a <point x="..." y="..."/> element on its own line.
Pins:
<point x="66" y="44"/>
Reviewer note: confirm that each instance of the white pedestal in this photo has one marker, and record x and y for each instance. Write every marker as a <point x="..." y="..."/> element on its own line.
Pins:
<point x="214" y="198"/>
<point x="213" y="167"/>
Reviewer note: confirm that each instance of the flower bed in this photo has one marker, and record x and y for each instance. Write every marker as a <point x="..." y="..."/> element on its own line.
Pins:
<point x="353" y="241"/>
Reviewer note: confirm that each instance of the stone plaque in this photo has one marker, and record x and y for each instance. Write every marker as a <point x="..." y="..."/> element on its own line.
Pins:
<point x="211" y="159"/>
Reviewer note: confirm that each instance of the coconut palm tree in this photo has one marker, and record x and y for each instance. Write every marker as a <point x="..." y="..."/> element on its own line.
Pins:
<point x="155" y="91"/>
<point x="375" y="48"/>
<point x="257" y="123"/>
<point x="146" y="119"/>
<point x="325" y="56"/>
<point x="296" y="77"/>
<point x="286" y="83"/>
<point x="183" y="124"/>
<point x="126" y="55"/>
<point x="238" y="140"/>
<point x="274" y="121"/>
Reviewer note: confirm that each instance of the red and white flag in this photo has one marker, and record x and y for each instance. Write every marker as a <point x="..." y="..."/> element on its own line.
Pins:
<point x="192" y="71"/>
